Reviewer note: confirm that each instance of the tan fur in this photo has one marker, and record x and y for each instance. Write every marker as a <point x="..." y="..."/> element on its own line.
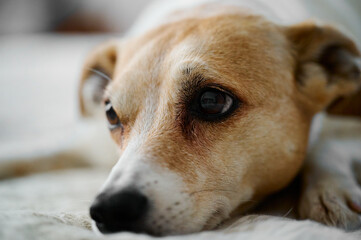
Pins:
<point x="273" y="70"/>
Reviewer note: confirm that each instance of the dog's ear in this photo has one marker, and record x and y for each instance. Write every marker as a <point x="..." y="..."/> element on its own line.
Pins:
<point x="97" y="72"/>
<point x="347" y="106"/>
<point x="327" y="64"/>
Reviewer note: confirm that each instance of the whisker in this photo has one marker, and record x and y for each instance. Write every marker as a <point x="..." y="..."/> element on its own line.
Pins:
<point x="100" y="74"/>
<point x="289" y="211"/>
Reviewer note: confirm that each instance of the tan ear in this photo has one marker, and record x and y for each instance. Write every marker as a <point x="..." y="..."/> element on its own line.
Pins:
<point x="327" y="64"/>
<point x="97" y="71"/>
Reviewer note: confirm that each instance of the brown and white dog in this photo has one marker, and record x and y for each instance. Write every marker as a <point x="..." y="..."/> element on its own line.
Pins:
<point x="211" y="112"/>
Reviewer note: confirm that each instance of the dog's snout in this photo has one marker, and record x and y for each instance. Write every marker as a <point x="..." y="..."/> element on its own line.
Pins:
<point x="118" y="212"/>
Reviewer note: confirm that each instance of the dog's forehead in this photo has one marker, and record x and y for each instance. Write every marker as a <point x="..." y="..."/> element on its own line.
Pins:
<point x="243" y="52"/>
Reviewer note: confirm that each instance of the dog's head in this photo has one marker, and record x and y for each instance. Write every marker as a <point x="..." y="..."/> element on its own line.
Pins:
<point x="210" y="114"/>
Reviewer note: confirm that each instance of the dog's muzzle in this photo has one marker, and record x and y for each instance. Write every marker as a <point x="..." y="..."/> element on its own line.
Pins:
<point x="120" y="211"/>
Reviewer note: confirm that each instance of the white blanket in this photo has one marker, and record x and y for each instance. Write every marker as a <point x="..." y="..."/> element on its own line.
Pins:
<point x="55" y="206"/>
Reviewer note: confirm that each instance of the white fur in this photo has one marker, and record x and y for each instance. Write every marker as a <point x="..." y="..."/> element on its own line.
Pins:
<point x="164" y="189"/>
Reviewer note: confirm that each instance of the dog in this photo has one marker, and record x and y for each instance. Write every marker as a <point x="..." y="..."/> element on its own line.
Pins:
<point x="211" y="110"/>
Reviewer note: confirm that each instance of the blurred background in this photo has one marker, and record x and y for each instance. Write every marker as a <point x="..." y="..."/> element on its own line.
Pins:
<point x="43" y="44"/>
<point x="67" y="16"/>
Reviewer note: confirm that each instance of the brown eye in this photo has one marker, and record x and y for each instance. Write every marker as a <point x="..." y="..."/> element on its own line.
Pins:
<point x="112" y="117"/>
<point x="212" y="104"/>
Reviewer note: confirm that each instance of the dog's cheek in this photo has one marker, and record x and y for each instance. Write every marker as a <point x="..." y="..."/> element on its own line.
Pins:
<point x="263" y="153"/>
<point x="280" y="153"/>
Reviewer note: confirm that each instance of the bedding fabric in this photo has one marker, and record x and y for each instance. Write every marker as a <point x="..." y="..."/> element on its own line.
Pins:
<point x="55" y="206"/>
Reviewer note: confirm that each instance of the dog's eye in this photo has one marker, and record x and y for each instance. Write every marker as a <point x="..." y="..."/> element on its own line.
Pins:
<point x="112" y="117"/>
<point x="212" y="104"/>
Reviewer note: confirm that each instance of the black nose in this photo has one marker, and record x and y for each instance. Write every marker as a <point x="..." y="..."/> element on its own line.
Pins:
<point x="119" y="211"/>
